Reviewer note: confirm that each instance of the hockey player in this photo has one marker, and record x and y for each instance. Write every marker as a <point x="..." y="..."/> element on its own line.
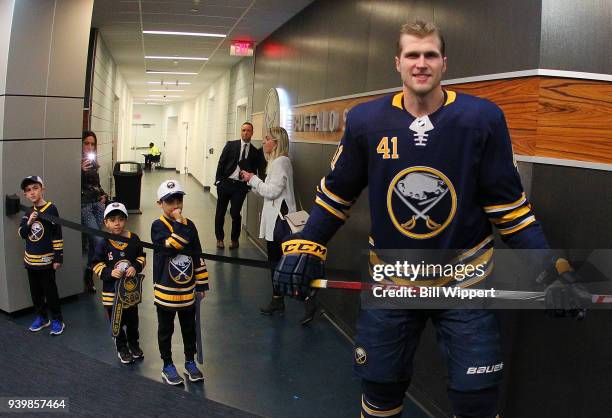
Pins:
<point x="439" y="170"/>
<point x="112" y="260"/>
<point x="176" y="279"/>
<point x="44" y="254"/>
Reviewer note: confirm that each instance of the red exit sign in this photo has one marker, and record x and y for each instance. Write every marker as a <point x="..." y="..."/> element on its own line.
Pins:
<point x="242" y="48"/>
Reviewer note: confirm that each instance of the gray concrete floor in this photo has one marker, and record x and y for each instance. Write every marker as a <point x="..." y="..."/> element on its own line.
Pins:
<point x="270" y="366"/>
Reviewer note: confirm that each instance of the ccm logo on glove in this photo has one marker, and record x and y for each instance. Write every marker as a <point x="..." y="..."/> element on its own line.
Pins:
<point x="301" y="246"/>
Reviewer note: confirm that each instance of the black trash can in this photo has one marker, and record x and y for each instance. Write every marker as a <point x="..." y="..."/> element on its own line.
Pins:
<point x="128" y="179"/>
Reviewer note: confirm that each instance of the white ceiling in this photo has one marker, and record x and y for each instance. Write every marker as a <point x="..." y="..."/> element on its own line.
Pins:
<point x="121" y="23"/>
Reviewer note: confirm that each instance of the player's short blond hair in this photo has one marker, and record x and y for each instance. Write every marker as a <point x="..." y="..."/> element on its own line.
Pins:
<point x="420" y="29"/>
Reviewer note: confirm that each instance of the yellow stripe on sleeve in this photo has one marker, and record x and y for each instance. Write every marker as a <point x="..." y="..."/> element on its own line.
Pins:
<point x="515" y="214"/>
<point x="333" y="211"/>
<point x="179" y="238"/>
<point x="333" y="196"/>
<point x="507" y="206"/>
<point x="523" y="224"/>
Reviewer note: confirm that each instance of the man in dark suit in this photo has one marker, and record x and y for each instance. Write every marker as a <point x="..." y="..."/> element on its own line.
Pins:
<point x="236" y="155"/>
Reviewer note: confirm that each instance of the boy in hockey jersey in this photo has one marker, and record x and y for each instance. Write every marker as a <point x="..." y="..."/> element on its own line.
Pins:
<point x="177" y="277"/>
<point x="112" y="260"/>
<point x="44" y="252"/>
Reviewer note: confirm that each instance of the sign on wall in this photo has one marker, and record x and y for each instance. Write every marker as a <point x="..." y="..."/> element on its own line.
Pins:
<point x="242" y="48"/>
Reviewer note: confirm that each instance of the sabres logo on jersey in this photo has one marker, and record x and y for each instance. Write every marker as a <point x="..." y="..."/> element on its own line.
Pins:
<point x="37" y="230"/>
<point x="129" y="283"/>
<point x="180" y="269"/>
<point x="421" y="202"/>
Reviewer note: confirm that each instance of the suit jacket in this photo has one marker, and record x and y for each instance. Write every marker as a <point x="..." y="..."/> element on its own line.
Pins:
<point x="254" y="162"/>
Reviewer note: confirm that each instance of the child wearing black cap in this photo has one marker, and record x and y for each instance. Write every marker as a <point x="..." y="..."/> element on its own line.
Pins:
<point x="44" y="253"/>
<point x="111" y="261"/>
<point x="176" y="280"/>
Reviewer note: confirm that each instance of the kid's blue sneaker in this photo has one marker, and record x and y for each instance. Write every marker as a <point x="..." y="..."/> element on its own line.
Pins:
<point x="57" y="327"/>
<point x="193" y="372"/>
<point x="171" y="376"/>
<point x="39" y="323"/>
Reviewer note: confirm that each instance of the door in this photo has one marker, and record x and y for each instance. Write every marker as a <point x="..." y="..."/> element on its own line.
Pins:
<point x="171" y="150"/>
<point x="186" y="153"/>
<point x="211" y="158"/>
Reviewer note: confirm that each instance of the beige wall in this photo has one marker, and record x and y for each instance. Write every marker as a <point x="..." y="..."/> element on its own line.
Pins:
<point x="43" y="57"/>
<point x="107" y="118"/>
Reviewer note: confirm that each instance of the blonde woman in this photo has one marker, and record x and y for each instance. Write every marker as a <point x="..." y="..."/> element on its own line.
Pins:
<point x="277" y="191"/>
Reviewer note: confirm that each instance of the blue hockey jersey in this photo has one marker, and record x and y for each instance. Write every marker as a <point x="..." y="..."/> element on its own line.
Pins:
<point x="110" y="255"/>
<point x="44" y="243"/>
<point x="176" y="277"/>
<point x="435" y="182"/>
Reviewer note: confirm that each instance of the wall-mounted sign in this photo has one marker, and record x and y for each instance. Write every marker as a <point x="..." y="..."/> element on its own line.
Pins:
<point x="242" y="48"/>
<point x="324" y="121"/>
<point x="271" y="115"/>
<point x="276" y="111"/>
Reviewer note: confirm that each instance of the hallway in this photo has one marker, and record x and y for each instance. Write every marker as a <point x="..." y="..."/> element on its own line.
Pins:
<point x="269" y="366"/>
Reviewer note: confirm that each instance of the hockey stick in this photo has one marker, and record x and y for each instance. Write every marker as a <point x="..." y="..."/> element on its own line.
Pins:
<point x="199" y="343"/>
<point x="501" y="294"/>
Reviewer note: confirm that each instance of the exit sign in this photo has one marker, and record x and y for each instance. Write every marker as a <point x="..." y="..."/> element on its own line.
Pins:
<point x="242" y="48"/>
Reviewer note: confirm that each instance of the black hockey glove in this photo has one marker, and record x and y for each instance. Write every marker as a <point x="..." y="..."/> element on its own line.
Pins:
<point x="565" y="296"/>
<point x="302" y="262"/>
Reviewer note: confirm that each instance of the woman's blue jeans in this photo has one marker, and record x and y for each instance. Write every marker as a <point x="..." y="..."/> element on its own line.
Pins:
<point x="92" y="216"/>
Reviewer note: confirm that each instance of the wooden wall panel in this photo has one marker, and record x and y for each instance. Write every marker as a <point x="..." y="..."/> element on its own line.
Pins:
<point x="575" y="120"/>
<point x="547" y="116"/>
<point x="518" y="98"/>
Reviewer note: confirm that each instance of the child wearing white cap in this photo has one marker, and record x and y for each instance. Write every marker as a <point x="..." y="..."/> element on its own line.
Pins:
<point x="176" y="279"/>
<point x="44" y="254"/>
<point x="111" y="261"/>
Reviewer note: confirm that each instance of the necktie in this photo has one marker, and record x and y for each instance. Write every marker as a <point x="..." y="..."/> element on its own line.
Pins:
<point x="244" y="150"/>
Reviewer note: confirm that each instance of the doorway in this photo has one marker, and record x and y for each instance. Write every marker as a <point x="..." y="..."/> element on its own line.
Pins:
<point x="170" y="143"/>
<point x="210" y="150"/>
<point x="241" y="114"/>
<point x="185" y="165"/>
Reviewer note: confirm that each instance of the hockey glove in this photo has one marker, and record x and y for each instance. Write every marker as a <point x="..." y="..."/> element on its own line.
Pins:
<point x="566" y="297"/>
<point x="302" y="262"/>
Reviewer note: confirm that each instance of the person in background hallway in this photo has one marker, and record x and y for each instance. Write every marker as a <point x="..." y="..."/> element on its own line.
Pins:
<point x="149" y="158"/>
<point x="93" y="200"/>
<point x="236" y="155"/>
<point x="277" y="191"/>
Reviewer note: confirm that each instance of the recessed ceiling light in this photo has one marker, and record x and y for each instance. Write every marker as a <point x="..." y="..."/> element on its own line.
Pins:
<point x="161" y="95"/>
<point x="166" y="90"/>
<point x="166" y="32"/>
<point x="156" y="57"/>
<point x="170" y="72"/>
<point x="149" y="99"/>
<point x="170" y="83"/>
